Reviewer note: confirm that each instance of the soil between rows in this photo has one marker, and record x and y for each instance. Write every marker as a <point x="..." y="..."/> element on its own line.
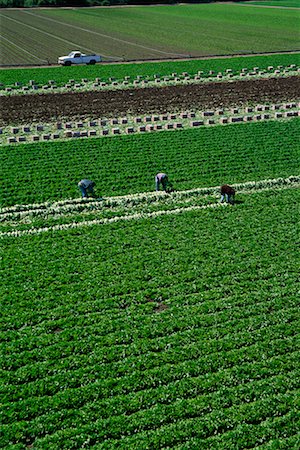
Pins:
<point x="158" y="100"/>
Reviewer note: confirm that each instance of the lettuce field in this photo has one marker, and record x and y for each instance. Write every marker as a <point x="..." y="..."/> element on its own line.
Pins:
<point x="154" y="331"/>
<point x="139" y="319"/>
<point x="174" y="332"/>
<point x="127" y="164"/>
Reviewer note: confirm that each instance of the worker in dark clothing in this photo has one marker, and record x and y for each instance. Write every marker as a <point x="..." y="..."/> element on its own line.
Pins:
<point x="86" y="187"/>
<point x="227" y="193"/>
<point x="162" y="179"/>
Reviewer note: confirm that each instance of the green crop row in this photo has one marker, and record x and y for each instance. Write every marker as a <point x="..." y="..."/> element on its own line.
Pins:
<point x="29" y="405"/>
<point x="89" y="357"/>
<point x="136" y="33"/>
<point x="34" y="173"/>
<point x="280" y="431"/>
<point x="144" y="349"/>
<point x="112" y="332"/>
<point x="128" y="82"/>
<point x="165" y="425"/>
<point x="38" y="338"/>
<point x="62" y="75"/>
<point x="283" y="3"/>
<point x="173" y="385"/>
<point x="203" y="293"/>
<point x="22" y="219"/>
<point x="216" y="423"/>
<point x="28" y="400"/>
<point x="153" y="339"/>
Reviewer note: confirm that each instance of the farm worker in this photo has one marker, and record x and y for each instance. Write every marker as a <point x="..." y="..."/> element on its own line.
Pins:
<point x="161" y="179"/>
<point x="86" y="187"/>
<point x="228" y="193"/>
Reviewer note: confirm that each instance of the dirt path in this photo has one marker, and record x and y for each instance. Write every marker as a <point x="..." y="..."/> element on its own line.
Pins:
<point x="158" y="100"/>
<point x="142" y="61"/>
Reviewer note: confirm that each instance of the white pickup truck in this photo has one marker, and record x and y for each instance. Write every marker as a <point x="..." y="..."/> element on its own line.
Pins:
<point x="78" y="58"/>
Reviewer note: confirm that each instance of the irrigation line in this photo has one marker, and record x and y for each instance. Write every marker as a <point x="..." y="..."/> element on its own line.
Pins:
<point x="21" y="48"/>
<point x="108" y="36"/>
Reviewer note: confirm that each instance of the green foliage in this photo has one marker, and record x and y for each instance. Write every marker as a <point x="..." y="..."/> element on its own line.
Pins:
<point x="62" y="75"/>
<point x="283" y="3"/>
<point x="120" y="165"/>
<point x="172" y="331"/>
<point x="90" y="359"/>
<point x="79" y="3"/>
<point x="159" y="32"/>
<point x="57" y="3"/>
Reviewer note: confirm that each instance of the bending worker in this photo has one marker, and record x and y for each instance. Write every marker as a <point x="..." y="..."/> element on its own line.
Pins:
<point x="161" y="179"/>
<point x="228" y="193"/>
<point x="86" y="187"/>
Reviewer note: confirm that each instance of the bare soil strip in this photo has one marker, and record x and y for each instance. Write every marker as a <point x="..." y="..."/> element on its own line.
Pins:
<point x="160" y="100"/>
